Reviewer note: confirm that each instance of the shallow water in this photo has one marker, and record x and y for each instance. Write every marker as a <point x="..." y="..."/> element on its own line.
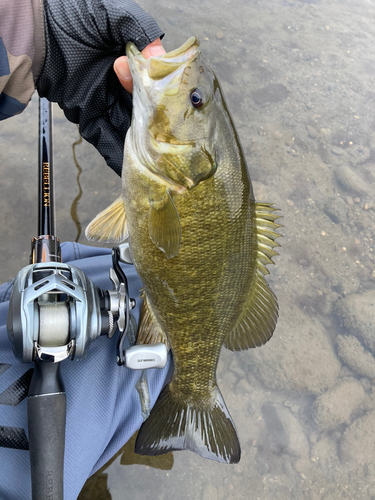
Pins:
<point x="299" y="79"/>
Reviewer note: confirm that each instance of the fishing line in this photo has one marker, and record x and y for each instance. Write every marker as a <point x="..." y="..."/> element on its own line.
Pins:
<point x="73" y="208"/>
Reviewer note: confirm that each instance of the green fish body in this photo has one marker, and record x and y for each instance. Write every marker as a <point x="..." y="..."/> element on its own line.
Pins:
<point x="199" y="242"/>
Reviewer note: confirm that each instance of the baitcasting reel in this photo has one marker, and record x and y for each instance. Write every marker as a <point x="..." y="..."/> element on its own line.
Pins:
<point x="56" y="311"/>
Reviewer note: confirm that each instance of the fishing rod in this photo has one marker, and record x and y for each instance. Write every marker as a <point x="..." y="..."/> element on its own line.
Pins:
<point x="55" y="312"/>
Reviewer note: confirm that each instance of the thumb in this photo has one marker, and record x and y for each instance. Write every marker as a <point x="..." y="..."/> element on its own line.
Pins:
<point x="121" y="65"/>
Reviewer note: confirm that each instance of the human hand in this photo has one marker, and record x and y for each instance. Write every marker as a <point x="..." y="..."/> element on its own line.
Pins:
<point x="121" y="65"/>
<point x="83" y="40"/>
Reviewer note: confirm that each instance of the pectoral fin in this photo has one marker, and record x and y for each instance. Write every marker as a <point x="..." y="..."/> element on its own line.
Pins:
<point x="165" y="225"/>
<point x="109" y="225"/>
<point x="257" y="321"/>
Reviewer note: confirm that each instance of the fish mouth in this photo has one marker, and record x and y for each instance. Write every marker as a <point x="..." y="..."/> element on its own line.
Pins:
<point x="193" y="41"/>
<point x="159" y="67"/>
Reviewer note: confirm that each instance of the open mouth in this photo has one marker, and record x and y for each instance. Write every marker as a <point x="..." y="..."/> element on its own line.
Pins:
<point x="159" y="67"/>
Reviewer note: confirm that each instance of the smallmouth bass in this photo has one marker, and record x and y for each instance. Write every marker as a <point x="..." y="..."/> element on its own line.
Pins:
<point x="199" y="242"/>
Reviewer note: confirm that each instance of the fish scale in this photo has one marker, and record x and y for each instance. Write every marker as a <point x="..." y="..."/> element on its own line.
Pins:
<point x="194" y="328"/>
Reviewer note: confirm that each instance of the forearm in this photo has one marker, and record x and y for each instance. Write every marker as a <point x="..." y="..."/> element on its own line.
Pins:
<point x="22" y="52"/>
<point x="66" y="50"/>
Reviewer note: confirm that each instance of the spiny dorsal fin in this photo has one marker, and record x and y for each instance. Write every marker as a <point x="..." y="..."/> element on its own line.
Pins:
<point x="109" y="225"/>
<point x="266" y="234"/>
<point x="165" y="225"/>
<point x="257" y="322"/>
<point x="149" y="330"/>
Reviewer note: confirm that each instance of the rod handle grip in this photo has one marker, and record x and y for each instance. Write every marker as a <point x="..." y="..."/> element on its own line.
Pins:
<point x="46" y="423"/>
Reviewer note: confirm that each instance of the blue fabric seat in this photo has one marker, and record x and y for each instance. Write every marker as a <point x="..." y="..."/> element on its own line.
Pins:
<point x="103" y="408"/>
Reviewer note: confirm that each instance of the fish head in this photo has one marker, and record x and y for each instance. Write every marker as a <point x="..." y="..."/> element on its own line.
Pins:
<point x="173" y="119"/>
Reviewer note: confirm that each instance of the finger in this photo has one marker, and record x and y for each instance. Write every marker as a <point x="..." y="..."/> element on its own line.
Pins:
<point x="121" y="65"/>
<point x="153" y="49"/>
<point x="122" y="70"/>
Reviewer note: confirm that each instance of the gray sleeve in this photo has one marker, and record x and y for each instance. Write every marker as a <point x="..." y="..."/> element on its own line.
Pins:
<point x="22" y="51"/>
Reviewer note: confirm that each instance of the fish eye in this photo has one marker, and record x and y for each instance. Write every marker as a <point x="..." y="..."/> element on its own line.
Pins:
<point x="196" y="98"/>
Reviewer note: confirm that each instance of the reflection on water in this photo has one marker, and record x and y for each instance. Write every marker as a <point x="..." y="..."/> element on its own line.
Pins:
<point x="96" y="488"/>
<point x="299" y="78"/>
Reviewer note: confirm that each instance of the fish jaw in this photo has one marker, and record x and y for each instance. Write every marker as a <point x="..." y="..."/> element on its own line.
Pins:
<point x="146" y="71"/>
<point x="172" y="138"/>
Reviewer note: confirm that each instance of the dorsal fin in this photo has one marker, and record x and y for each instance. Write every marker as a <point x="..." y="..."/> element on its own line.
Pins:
<point x="257" y="322"/>
<point x="109" y="225"/>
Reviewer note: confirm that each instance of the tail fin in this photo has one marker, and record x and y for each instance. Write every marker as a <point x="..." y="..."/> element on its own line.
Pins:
<point x="173" y="426"/>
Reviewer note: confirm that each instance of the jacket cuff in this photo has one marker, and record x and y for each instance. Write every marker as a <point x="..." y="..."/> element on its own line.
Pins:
<point x="39" y="38"/>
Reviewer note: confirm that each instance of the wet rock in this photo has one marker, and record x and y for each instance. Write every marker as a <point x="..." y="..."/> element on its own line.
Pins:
<point x="230" y="378"/>
<point x="358" y="154"/>
<point x="336" y="406"/>
<point x="235" y="367"/>
<point x="336" y="209"/>
<point x="350" y="181"/>
<point x="111" y="183"/>
<point x="337" y="151"/>
<point x="324" y="153"/>
<point x="312" y="132"/>
<point x="297" y="443"/>
<point x="275" y="439"/>
<point x="325" y="131"/>
<point x="358" y="442"/>
<point x="304" y="467"/>
<point x="351" y="352"/>
<point x="366" y="384"/>
<point x="209" y="492"/>
<point x="243" y="387"/>
<point x="299" y="357"/>
<point x="324" y="452"/>
<point x="356" y="313"/>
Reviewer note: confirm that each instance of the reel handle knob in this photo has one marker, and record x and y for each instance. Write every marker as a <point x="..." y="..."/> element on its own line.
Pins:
<point x="140" y="357"/>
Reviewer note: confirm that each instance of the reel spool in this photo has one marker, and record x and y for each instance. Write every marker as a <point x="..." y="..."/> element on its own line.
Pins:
<point x="55" y="312"/>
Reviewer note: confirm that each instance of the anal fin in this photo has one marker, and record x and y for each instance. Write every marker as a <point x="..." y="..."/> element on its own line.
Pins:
<point x="257" y="321"/>
<point x="149" y="329"/>
<point x="109" y="225"/>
